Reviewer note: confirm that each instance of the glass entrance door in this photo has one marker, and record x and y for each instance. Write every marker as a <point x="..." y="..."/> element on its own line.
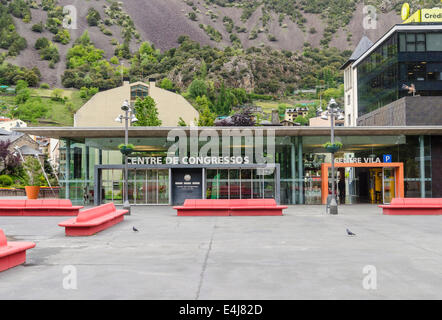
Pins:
<point x="388" y="184"/>
<point x="239" y="184"/>
<point x="146" y="186"/>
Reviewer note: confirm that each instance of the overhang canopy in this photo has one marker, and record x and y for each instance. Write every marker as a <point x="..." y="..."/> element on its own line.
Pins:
<point x="79" y="134"/>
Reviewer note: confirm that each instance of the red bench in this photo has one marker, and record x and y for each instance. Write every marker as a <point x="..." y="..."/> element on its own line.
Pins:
<point x="413" y="206"/>
<point x="12" y="253"/>
<point x="46" y="207"/>
<point x="233" y="207"/>
<point x="93" y="220"/>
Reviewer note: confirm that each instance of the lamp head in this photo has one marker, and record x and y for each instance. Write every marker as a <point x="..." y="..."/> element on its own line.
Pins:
<point x="125" y="106"/>
<point x="133" y="119"/>
<point x="119" y="119"/>
<point x="324" y="117"/>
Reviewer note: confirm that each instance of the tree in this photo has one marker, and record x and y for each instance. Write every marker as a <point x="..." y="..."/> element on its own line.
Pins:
<point x="197" y="88"/>
<point x="167" y="84"/>
<point x="31" y="110"/>
<point x="22" y="92"/>
<point x="281" y="110"/>
<point x="206" y="117"/>
<point x="10" y="161"/>
<point x="181" y="122"/>
<point x="146" y="113"/>
<point x="301" y="120"/>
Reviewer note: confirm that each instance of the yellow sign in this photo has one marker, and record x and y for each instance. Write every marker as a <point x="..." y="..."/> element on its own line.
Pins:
<point x="405" y="12"/>
<point x="431" y="15"/>
<point x="415" y="17"/>
<point x="422" y="15"/>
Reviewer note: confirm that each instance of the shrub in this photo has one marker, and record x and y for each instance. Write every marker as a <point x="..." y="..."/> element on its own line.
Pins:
<point x="57" y="94"/>
<point x="5" y="180"/>
<point x="93" y="17"/>
<point x="114" y="60"/>
<point x="63" y="36"/>
<point x="44" y="85"/>
<point x="38" y="27"/>
<point x="41" y="43"/>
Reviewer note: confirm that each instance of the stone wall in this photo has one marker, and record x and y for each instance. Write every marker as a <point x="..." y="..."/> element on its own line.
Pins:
<point x="407" y="111"/>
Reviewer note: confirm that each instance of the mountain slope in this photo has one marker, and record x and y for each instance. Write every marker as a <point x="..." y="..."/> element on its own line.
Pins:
<point x="279" y="24"/>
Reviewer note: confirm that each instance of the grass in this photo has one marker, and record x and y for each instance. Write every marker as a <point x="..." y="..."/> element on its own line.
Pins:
<point x="47" y="93"/>
<point x="58" y="113"/>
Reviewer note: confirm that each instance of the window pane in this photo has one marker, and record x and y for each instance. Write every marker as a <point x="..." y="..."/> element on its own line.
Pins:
<point x="420" y="37"/>
<point x="420" y="47"/>
<point x="402" y="42"/>
<point x="434" y="41"/>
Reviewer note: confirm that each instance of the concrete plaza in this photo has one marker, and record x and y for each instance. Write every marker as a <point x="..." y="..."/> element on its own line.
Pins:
<point x="304" y="254"/>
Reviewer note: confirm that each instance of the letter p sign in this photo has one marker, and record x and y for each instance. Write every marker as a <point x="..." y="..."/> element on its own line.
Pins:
<point x="387" y="158"/>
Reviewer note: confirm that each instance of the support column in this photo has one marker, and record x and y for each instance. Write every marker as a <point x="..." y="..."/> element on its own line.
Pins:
<point x="87" y="150"/>
<point x="300" y="171"/>
<point x="293" y="170"/>
<point x="422" y="164"/>
<point x="67" y="168"/>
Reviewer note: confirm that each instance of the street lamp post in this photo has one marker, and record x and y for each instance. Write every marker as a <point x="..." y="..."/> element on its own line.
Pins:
<point x="126" y="117"/>
<point x="333" y="111"/>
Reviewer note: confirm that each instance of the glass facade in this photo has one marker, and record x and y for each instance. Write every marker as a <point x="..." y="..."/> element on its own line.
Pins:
<point x="405" y="58"/>
<point x="299" y="159"/>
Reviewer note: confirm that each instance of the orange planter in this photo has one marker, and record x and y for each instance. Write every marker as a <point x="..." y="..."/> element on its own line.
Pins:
<point x="32" y="192"/>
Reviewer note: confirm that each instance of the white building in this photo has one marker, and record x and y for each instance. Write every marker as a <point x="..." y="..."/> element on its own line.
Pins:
<point x="9" y="124"/>
<point x="351" y="84"/>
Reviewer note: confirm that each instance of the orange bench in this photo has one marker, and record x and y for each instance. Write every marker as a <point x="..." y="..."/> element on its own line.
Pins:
<point x="413" y="206"/>
<point x="46" y="207"/>
<point x="233" y="207"/>
<point x="12" y="253"/>
<point x="93" y="220"/>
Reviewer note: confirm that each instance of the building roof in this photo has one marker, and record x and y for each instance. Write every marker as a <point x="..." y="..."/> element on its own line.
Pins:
<point x="9" y="136"/>
<point x="4" y="132"/>
<point x="28" y="151"/>
<point x="105" y="106"/>
<point x="364" y="44"/>
<point x="80" y="133"/>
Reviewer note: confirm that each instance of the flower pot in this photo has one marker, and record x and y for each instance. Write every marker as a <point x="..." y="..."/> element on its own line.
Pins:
<point x="332" y="148"/>
<point x="32" y="191"/>
<point x="126" y="151"/>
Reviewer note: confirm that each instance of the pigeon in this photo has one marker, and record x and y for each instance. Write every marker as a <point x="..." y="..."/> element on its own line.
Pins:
<point x="134" y="229"/>
<point x="350" y="233"/>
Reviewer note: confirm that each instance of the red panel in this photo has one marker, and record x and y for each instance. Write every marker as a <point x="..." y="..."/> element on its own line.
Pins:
<point x="255" y="212"/>
<point x="91" y="230"/>
<point x="3" y="241"/>
<point x="413" y="206"/>
<point x="12" y="253"/>
<point x="12" y="203"/>
<point x="93" y="213"/>
<point x="412" y="211"/>
<point x="5" y="211"/>
<point x="234" y="207"/>
<point x="203" y="212"/>
<point x="12" y="260"/>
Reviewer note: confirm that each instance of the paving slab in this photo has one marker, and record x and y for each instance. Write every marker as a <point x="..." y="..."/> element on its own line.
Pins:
<point x="305" y="254"/>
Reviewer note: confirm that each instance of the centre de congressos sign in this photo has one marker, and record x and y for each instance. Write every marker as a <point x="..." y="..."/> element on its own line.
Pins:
<point x="189" y="160"/>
